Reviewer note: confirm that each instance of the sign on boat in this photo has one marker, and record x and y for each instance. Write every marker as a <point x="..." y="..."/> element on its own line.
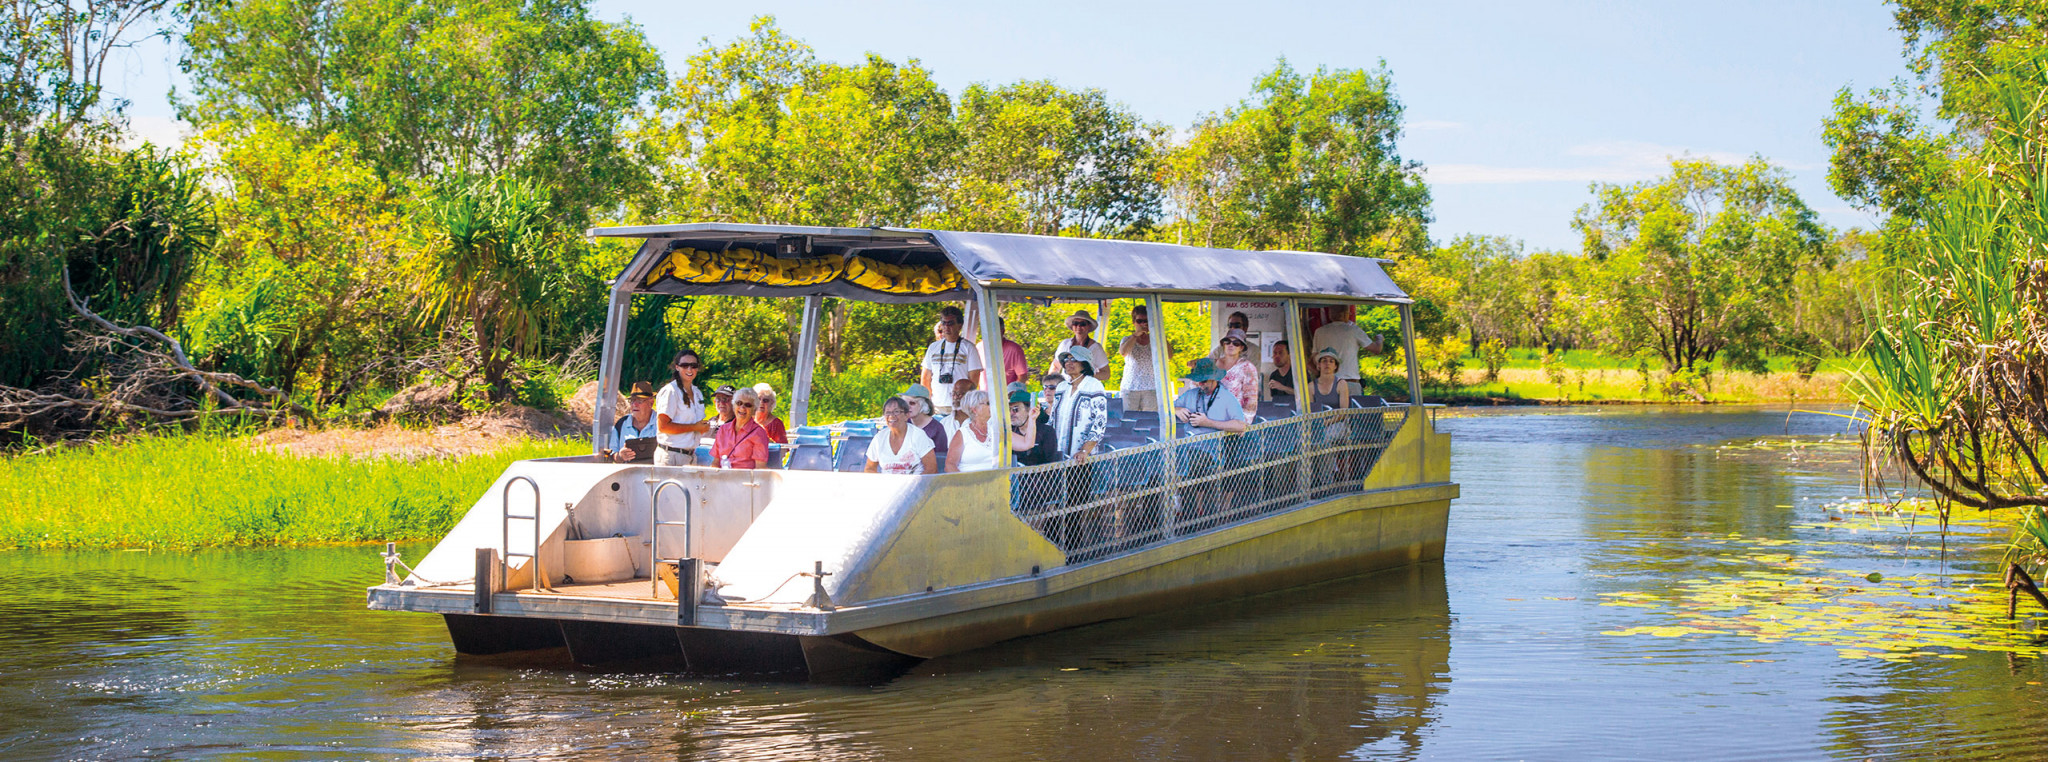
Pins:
<point x="811" y="567"/>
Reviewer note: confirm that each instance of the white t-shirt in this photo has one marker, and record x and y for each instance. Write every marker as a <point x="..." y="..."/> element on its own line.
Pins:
<point x="959" y="358"/>
<point x="1100" y="361"/>
<point x="670" y="403"/>
<point x="1347" y="340"/>
<point x="909" y="459"/>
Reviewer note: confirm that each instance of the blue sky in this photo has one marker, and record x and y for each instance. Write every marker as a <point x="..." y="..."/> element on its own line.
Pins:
<point x="1514" y="107"/>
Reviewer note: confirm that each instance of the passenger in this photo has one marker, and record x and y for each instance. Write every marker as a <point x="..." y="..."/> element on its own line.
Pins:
<point x="635" y="432"/>
<point x="1206" y="408"/>
<point x="766" y="416"/>
<point x="723" y="398"/>
<point x="1328" y="391"/>
<point x="744" y="443"/>
<point x="1346" y="340"/>
<point x="1083" y="343"/>
<point x="679" y="410"/>
<point x="1080" y="410"/>
<point x="1015" y="366"/>
<point x="1050" y="382"/>
<point x="974" y="444"/>
<point x="1235" y="322"/>
<point x="947" y="359"/>
<point x="1280" y="383"/>
<point x="920" y="401"/>
<point x="900" y="448"/>
<point x="952" y="421"/>
<point x="1240" y="373"/>
<point x="1031" y="434"/>
<point x="1140" y="390"/>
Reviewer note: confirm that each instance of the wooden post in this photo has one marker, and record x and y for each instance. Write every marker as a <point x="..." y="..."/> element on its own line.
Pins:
<point x="486" y="579"/>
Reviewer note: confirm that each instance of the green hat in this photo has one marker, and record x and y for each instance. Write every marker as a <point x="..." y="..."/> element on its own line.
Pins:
<point x="1020" y="397"/>
<point x="1203" y="369"/>
<point x="917" y="390"/>
<point x="1326" y="352"/>
<point x="1015" y="387"/>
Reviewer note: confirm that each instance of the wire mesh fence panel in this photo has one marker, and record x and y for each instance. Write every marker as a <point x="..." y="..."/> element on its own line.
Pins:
<point x="1132" y="498"/>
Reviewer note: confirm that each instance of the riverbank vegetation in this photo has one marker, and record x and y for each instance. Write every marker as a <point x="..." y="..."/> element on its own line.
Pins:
<point x="217" y="489"/>
<point x="354" y="218"/>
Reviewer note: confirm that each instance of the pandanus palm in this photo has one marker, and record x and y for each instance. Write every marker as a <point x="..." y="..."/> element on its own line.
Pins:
<point x="488" y="243"/>
<point x="1958" y="378"/>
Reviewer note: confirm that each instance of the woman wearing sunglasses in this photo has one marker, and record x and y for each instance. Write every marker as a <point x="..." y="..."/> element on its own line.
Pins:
<point x="680" y="412"/>
<point x="744" y="444"/>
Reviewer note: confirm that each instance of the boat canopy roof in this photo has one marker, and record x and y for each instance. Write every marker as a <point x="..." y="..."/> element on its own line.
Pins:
<point x="911" y="265"/>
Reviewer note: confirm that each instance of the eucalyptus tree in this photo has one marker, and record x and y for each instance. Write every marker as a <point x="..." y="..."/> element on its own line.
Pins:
<point x="535" y="88"/>
<point x="1307" y="162"/>
<point x="1699" y="262"/>
<point x="1034" y="157"/>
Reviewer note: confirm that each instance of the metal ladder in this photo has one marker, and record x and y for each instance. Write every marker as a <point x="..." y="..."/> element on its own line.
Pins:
<point x="654" y="525"/>
<point x="540" y="581"/>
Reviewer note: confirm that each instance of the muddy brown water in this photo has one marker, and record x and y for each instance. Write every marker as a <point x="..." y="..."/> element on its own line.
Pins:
<point x="1498" y="652"/>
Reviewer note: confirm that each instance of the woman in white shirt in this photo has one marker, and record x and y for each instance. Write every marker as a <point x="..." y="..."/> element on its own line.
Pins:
<point x="1083" y="344"/>
<point x="680" y="412"/>
<point x="900" y="448"/>
<point x="974" y="444"/>
<point x="1140" y="391"/>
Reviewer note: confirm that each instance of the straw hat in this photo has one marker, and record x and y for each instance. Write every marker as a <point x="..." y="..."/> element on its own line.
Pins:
<point x="1081" y="316"/>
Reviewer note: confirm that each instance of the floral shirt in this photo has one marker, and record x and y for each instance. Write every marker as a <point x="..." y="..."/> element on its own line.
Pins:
<point x="1243" y="380"/>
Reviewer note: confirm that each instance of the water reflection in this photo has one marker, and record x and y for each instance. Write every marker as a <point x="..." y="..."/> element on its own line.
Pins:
<point x="1497" y="653"/>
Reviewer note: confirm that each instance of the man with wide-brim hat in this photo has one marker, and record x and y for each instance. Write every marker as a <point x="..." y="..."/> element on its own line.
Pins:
<point x="633" y="435"/>
<point x="1083" y="343"/>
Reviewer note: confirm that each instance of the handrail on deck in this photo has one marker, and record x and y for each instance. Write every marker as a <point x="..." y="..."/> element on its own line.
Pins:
<point x="654" y="525"/>
<point x="505" y="532"/>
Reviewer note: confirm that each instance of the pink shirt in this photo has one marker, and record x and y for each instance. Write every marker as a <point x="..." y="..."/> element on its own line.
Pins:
<point x="746" y="444"/>
<point x="1013" y="362"/>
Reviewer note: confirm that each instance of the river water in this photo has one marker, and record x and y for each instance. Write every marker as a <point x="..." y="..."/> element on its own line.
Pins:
<point x="1564" y="623"/>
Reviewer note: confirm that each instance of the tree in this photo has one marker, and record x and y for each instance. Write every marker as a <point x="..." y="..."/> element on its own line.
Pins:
<point x="1699" y="262"/>
<point x="489" y="249"/>
<point x="533" y="88"/>
<point x="1306" y="163"/>
<point x="1034" y="157"/>
<point x="298" y="285"/>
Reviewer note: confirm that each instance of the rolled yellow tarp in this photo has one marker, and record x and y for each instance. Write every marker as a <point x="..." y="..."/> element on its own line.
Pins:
<point x="697" y="266"/>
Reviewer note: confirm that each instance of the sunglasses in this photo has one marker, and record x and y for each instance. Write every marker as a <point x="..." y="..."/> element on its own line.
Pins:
<point x="949" y="322"/>
<point x="743" y="404"/>
<point x="687" y="366"/>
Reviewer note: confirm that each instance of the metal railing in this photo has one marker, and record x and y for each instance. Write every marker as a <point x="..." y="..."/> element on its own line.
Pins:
<point x="1136" y="497"/>
<point x="506" y="516"/>
<point x="654" y="525"/>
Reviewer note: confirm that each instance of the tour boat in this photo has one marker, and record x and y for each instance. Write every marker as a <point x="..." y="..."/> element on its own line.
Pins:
<point x="814" y="568"/>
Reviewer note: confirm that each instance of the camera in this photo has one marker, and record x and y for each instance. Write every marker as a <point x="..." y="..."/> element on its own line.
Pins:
<point x="945" y="378"/>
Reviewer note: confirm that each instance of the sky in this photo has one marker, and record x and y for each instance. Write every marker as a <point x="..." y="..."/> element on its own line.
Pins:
<point x="1513" y="108"/>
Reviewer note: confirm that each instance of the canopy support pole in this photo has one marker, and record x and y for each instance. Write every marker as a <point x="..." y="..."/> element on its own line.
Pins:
<point x="1408" y="344"/>
<point x="1163" y="378"/>
<point x="611" y="357"/>
<point x="992" y="374"/>
<point x="806" y="360"/>
<point x="1297" y="353"/>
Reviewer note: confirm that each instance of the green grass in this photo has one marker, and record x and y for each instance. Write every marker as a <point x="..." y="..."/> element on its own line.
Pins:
<point x="1527" y="357"/>
<point x="208" y="490"/>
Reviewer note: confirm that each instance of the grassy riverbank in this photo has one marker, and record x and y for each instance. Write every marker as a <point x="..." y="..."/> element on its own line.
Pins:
<point x="201" y="491"/>
<point x="1581" y="376"/>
